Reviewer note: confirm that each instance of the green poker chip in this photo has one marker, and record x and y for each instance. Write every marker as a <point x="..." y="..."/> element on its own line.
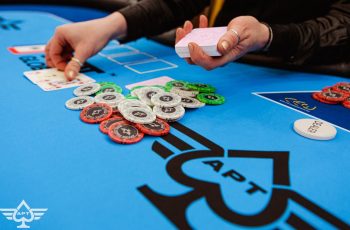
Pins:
<point x="201" y="87"/>
<point x="211" y="98"/>
<point x="106" y="83"/>
<point x="175" y="84"/>
<point x="110" y="89"/>
<point x="129" y="96"/>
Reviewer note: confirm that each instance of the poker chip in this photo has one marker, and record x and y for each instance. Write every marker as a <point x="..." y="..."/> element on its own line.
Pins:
<point x="110" y="89"/>
<point x="211" y="98"/>
<point x="125" y="133"/>
<point x="87" y="89"/>
<point x="96" y="113"/>
<point x="332" y="96"/>
<point x="169" y="114"/>
<point x="78" y="103"/>
<point x="139" y="115"/>
<point x="314" y="129"/>
<point x="175" y="84"/>
<point x="317" y="96"/>
<point x="346" y="103"/>
<point x="125" y="104"/>
<point x="166" y="99"/>
<point x="156" y="128"/>
<point x="129" y="96"/>
<point x="135" y="90"/>
<point x="184" y="92"/>
<point x="104" y="126"/>
<point x="106" y="83"/>
<point x="146" y="93"/>
<point x="111" y="99"/>
<point x="342" y="87"/>
<point x="192" y="103"/>
<point x="202" y="88"/>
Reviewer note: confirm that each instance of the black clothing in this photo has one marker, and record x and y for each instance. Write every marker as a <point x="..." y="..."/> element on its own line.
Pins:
<point x="304" y="31"/>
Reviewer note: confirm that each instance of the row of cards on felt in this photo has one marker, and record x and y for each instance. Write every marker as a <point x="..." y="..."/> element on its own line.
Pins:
<point x="52" y="79"/>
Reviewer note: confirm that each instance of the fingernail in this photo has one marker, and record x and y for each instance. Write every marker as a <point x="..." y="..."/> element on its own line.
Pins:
<point x="190" y="47"/>
<point x="225" y="45"/>
<point x="71" y="74"/>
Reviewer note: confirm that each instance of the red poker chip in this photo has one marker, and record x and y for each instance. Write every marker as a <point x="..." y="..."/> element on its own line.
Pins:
<point x="156" y="128"/>
<point x="332" y="96"/>
<point x="104" y="126"/>
<point x="317" y="97"/>
<point x="342" y="87"/>
<point x="125" y="132"/>
<point x="96" y="113"/>
<point x="346" y="103"/>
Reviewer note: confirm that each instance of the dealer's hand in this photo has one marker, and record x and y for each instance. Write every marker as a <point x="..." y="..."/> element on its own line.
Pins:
<point x="82" y="40"/>
<point x="244" y="34"/>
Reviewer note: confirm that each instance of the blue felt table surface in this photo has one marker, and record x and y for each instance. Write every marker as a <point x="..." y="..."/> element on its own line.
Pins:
<point x="51" y="159"/>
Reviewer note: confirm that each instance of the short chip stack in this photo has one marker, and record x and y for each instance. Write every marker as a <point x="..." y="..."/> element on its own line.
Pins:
<point x="336" y="94"/>
<point x="146" y="110"/>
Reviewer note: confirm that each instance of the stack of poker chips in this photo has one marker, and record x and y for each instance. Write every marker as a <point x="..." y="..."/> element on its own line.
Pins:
<point x="336" y="94"/>
<point x="146" y="110"/>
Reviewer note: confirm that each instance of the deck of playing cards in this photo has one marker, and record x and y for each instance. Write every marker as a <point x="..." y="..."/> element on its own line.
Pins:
<point x="206" y="38"/>
<point x="53" y="79"/>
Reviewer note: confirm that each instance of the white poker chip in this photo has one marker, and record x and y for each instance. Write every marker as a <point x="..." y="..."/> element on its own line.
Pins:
<point x="169" y="113"/>
<point x="184" y="92"/>
<point x="166" y="99"/>
<point x="109" y="98"/>
<point x="131" y="103"/>
<point x="146" y="93"/>
<point x="87" y="89"/>
<point x="139" y="115"/>
<point x="78" y="103"/>
<point x="315" y="129"/>
<point x="191" y="103"/>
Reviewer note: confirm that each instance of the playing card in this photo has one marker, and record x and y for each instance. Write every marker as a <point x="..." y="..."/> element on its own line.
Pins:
<point x="206" y="38"/>
<point x="31" y="49"/>
<point x="53" y="79"/>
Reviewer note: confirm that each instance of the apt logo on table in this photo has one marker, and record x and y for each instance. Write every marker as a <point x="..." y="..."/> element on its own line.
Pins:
<point x="243" y="187"/>
<point x="23" y="214"/>
<point x="8" y="24"/>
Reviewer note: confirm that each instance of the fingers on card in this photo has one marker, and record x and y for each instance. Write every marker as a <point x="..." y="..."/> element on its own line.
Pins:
<point x="53" y="79"/>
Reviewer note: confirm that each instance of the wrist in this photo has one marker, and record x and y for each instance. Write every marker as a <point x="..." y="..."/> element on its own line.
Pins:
<point x="267" y="42"/>
<point x="116" y="24"/>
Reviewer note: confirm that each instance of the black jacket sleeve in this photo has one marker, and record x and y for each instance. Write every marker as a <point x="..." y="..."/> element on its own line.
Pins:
<point x="151" y="17"/>
<point x="320" y="38"/>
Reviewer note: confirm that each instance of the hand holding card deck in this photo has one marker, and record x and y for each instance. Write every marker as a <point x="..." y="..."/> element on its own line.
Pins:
<point x="206" y="38"/>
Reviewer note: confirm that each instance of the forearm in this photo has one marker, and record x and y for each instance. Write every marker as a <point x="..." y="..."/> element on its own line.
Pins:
<point x="299" y="42"/>
<point x="151" y="17"/>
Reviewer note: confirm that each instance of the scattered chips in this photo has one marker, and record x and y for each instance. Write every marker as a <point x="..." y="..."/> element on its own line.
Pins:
<point x="87" y="89"/>
<point x="127" y="119"/>
<point x="96" y="113"/>
<point x="78" y="103"/>
<point x="333" y="95"/>
<point x="125" y="133"/>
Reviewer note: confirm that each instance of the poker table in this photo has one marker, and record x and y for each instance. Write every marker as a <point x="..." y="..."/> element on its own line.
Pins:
<point x="232" y="166"/>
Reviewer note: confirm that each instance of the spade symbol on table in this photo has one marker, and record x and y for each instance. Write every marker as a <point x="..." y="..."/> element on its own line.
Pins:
<point x="23" y="214"/>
